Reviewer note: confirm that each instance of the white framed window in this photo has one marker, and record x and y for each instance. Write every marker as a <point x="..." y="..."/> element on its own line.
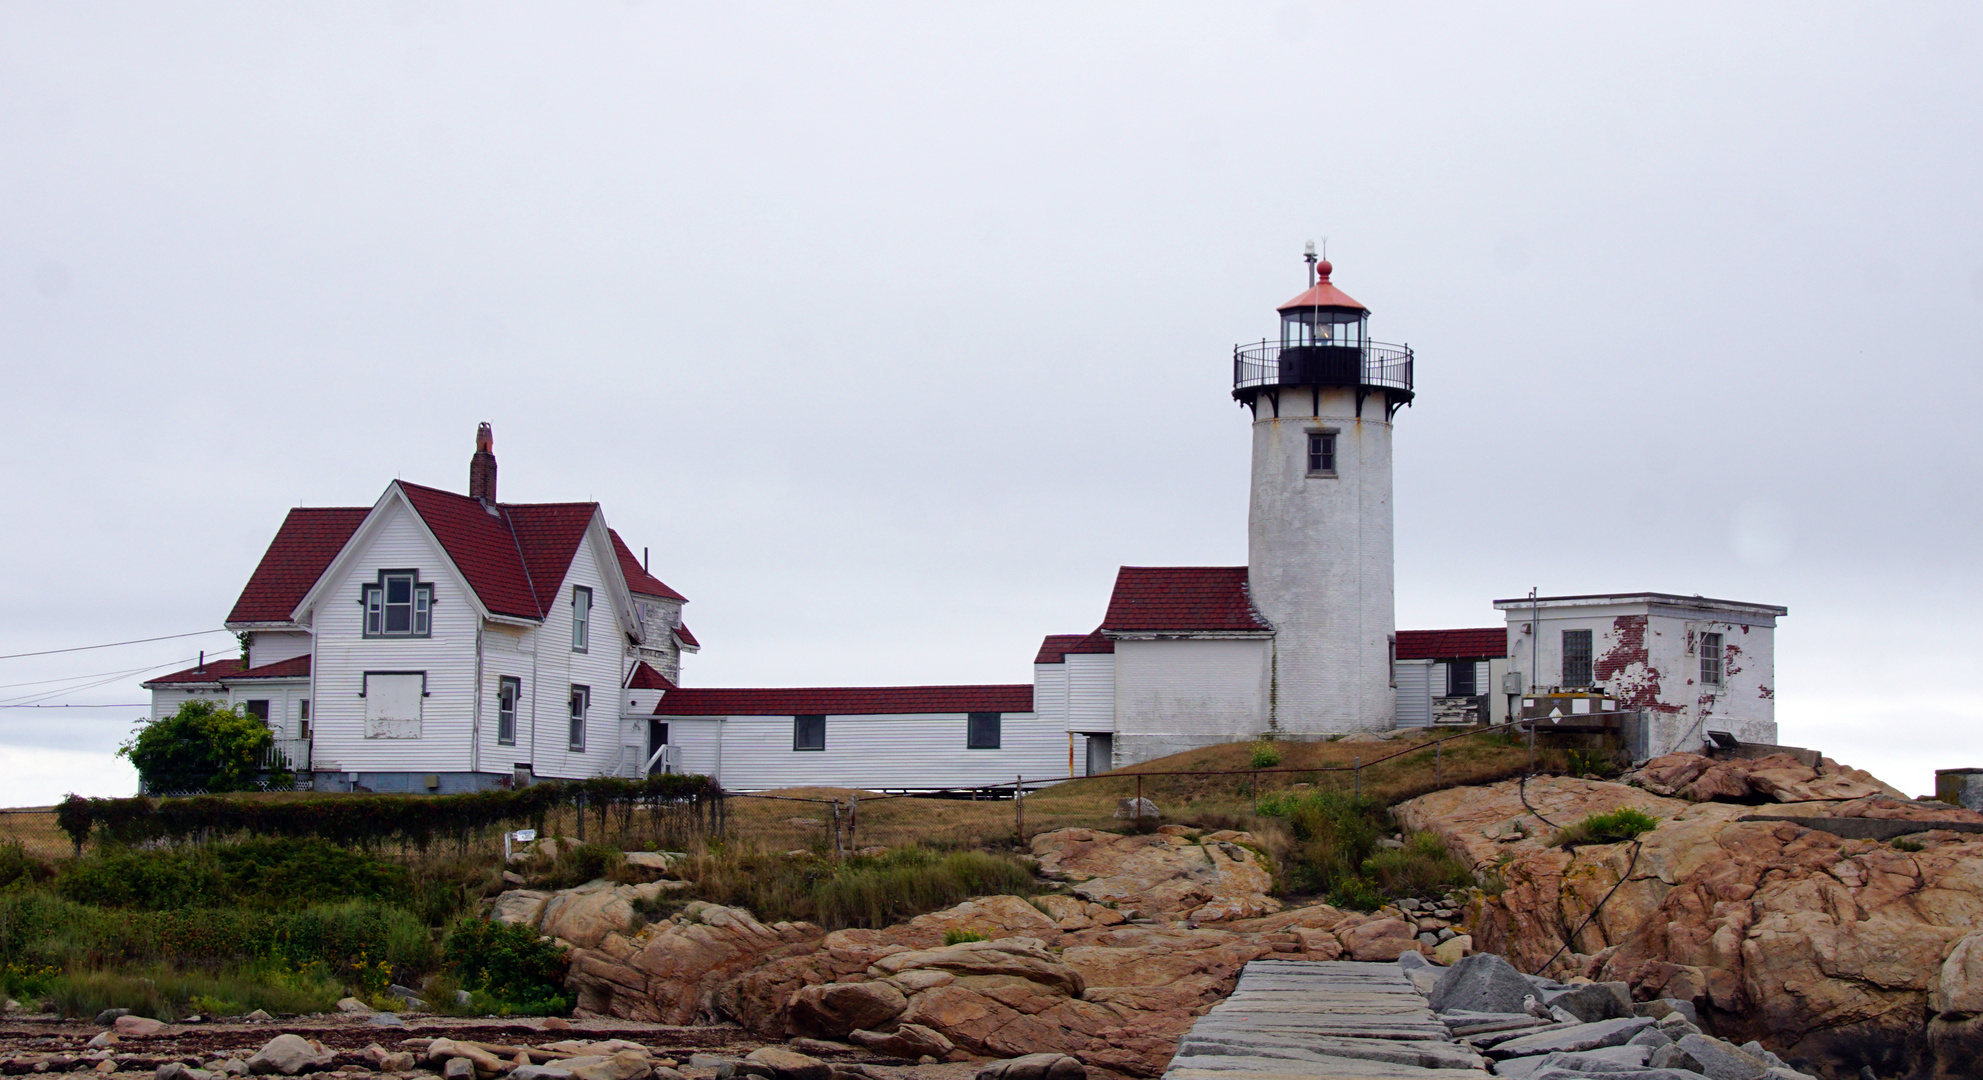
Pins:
<point x="508" y="690"/>
<point x="1322" y="453"/>
<point x="581" y="701"/>
<point x="581" y="617"/>
<point x="398" y="605"/>
<point x="1711" y="660"/>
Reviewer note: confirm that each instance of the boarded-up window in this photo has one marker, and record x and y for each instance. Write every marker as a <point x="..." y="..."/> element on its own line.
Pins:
<point x="1576" y="658"/>
<point x="392" y="703"/>
<point x="981" y="731"/>
<point x="809" y="732"/>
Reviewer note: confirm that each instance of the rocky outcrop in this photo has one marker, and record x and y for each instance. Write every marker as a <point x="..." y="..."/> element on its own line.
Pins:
<point x="1176" y="873"/>
<point x="1834" y="950"/>
<point x="1777" y="777"/>
<point x="1109" y="976"/>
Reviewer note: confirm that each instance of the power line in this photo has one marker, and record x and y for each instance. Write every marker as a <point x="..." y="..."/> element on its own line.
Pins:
<point x="110" y="645"/>
<point x="118" y="705"/>
<point x="85" y="678"/>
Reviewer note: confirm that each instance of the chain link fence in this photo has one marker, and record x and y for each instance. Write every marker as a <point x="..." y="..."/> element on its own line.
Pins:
<point x="34" y="830"/>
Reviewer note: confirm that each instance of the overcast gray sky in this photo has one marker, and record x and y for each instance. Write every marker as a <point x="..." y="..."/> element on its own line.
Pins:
<point x="893" y="329"/>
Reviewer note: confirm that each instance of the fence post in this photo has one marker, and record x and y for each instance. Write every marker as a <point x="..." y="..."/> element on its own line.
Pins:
<point x="838" y="851"/>
<point x="853" y="820"/>
<point x="1019" y="809"/>
<point x="578" y="801"/>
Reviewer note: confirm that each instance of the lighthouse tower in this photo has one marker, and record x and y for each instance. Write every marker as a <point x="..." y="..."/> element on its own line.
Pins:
<point x="1319" y="550"/>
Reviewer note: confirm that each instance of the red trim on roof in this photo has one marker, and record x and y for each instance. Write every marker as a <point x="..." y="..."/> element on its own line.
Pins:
<point x="310" y="537"/>
<point x="646" y="678"/>
<point x="638" y="579"/>
<point x="688" y="639"/>
<point x="845" y="700"/>
<point x="1474" y="643"/>
<point x="514" y="558"/>
<point x="1057" y="647"/>
<point x="1154" y="598"/>
<point x="230" y="670"/>
<point x="1323" y="294"/>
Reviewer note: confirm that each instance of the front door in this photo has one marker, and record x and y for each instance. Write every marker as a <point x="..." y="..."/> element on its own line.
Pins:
<point x="657" y="737"/>
<point x="1100" y="754"/>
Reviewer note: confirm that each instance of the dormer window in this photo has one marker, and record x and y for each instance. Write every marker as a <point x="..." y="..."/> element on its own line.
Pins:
<point x="398" y="605"/>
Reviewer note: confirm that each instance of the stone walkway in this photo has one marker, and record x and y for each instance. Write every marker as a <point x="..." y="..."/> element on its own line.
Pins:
<point x="1334" y="1020"/>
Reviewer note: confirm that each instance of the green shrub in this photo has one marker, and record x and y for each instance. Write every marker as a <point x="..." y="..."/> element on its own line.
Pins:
<point x="258" y="873"/>
<point x="1356" y="893"/>
<point x="38" y="927"/>
<point x="516" y="970"/>
<point x="20" y="870"/>
<point x="205" y="746"/>
<point x="167" y="993"/>
<point x="1904" y="844"/>
<point x="1265" y="755"/>
<point x="1607" y="828"/>
<point x="1333" y="834"/>
<point x="1422" y="866"/>
<point x="865" y="891"/>
<point x="956" y="936"/>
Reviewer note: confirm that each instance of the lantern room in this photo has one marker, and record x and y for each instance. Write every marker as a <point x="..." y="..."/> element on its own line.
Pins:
<point x="1324" y="316"/>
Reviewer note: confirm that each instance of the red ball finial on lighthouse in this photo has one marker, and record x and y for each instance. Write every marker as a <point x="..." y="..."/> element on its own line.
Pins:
<point x="1322" y="269"/>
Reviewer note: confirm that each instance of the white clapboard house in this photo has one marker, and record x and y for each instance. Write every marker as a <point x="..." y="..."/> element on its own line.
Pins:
<point x="438" y="642"/>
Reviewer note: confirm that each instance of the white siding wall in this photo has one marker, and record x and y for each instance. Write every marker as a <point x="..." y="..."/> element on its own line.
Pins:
<point x="283" y="698"/>
<point x="701" y="743"/>
<point x="1091" y="692"/>
<point x="891" y="751"/>
<point x="1176" y="695"/>
<point x="1415" y="693"/>
<point x="166" y="699"/>
<point x="1050" y="694"/>
<point x="543" y="659"/>
<point x="344" y="654"/>
<point x="269" y="646"/>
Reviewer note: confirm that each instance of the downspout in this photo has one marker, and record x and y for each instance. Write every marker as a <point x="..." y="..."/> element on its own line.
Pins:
<point x="475" y="718"/>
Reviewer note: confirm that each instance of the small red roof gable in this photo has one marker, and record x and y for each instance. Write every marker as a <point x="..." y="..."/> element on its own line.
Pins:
<point x="310" y="537"/>
<point x="515" y="558"/>
<point x="1057" y="647"/>
<point x="1151" y="598"/>
<point x="1323" y="294"/>
<point x="687" y="638"/>
<point x="845" y="700"/>
<point x="646" y="678"/>
<point x="1476" y="643"/>
<point x="638" y="579"/>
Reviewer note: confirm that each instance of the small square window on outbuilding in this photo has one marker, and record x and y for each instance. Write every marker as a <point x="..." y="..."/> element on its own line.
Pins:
<point x="1711" y="648"/>
<point x="1460" y="681"/>
<point x="981" y="731"/>
<point x="809" y="732"/>
<point x="1576" y="658"/>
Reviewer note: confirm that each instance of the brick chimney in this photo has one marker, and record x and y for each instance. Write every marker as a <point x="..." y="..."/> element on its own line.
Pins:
<point x="482" y="467"/>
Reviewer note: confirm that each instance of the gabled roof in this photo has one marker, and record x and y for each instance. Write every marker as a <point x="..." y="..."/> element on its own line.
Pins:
<point x="514" y="558"/>
<point x="1181" y="598"/>
<point x="639" y="581"/>
<point x="687" y="638"/>
<point x="1481" y="642"/>
<point x="1057" y="647"/>
<point x="845" y="700"/>
<point x="310" y="537"/>
<point x="231" y="671"/>
<point x="644" y="677"/>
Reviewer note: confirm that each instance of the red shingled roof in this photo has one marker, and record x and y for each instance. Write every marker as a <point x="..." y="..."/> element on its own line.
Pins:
<point x="1182" y="598"/>
<point x="646" y="678"/>
<point x="845" y="700"/>
<point x="1473" y="643"/>
<point x="230" y="670"/>
<point x="310" y="537"/>
<point x="638" y="579"/>
<point x="688" y="639"/>
<point x="1056" y="647"/>
<point x="515" y="558"/>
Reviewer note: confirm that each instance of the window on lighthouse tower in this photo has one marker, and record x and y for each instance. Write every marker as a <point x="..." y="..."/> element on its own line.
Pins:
<point x="1321" y="453"/>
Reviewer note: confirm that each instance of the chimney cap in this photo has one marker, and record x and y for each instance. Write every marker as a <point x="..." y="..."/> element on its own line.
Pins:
<point x="485" y="438"/>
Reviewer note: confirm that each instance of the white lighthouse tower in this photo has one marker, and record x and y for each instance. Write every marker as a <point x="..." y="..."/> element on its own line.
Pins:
<point x="1319" y="548"/>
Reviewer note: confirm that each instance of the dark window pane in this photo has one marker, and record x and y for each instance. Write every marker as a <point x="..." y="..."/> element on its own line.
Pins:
<point x="1576" y="658"/>
<point x="399" y="618"/>
<point x="982" y="731"/>
<point x="1460" y="679"/>
<point x="399" y="589"/>
<point x="809" y="732"/>
<point x="258" y="709"/>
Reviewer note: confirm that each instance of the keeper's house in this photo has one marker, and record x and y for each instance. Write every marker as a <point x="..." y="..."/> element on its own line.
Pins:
<point x="437" y="642"/>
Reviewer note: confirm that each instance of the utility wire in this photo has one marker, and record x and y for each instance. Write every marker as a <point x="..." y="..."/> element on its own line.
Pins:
<point x="110" y="645"/>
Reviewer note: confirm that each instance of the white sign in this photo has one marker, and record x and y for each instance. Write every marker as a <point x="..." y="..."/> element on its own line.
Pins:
<point x="525" y="836"/>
